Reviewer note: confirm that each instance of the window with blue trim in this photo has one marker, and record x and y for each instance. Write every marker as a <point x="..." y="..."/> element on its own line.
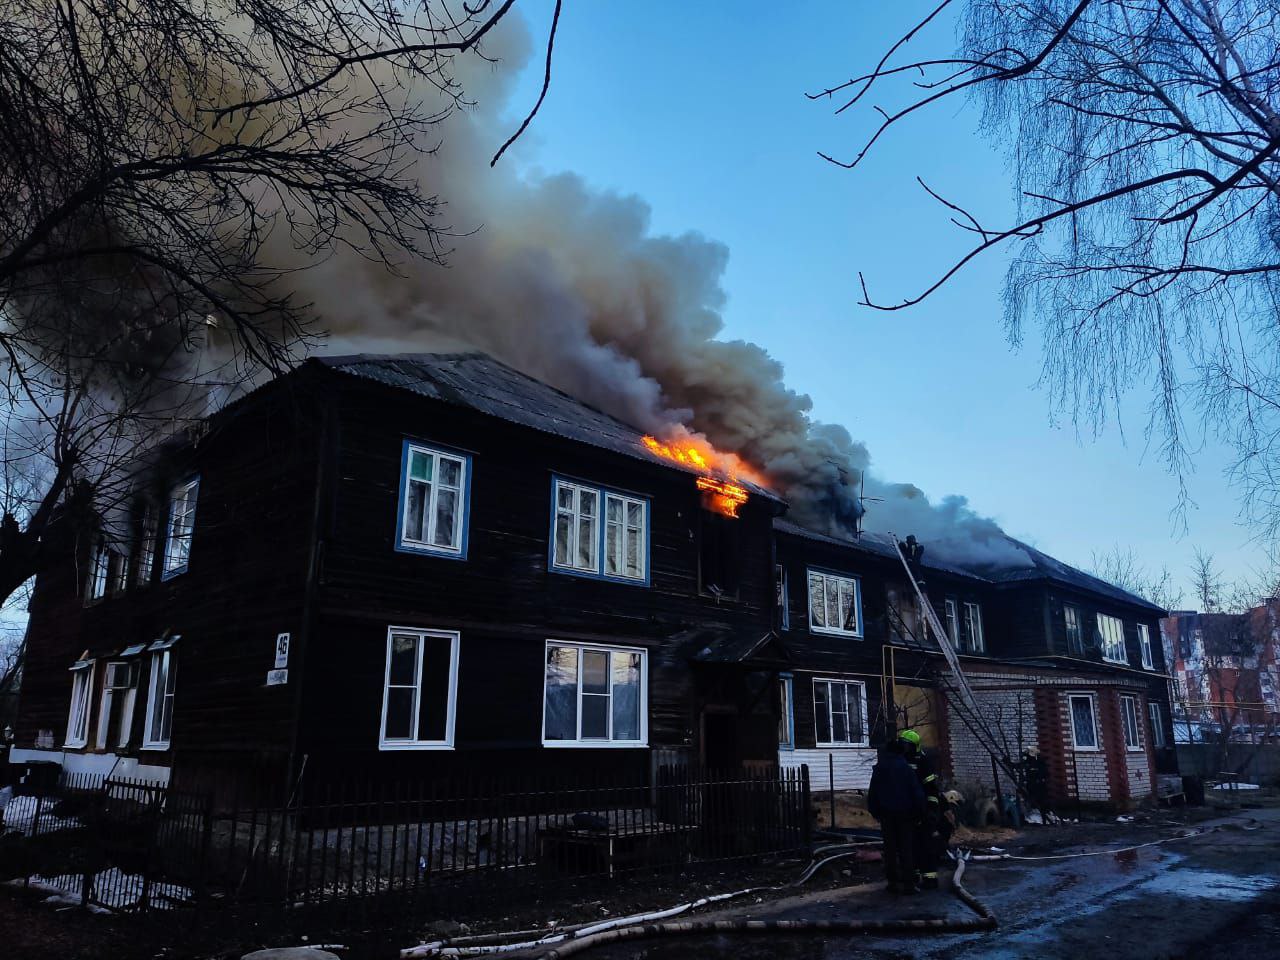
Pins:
<point x="612" y="542"/>
<point x="786" y="714"/>
<point x="180" y="527"/>
<point x="433" y="501"/>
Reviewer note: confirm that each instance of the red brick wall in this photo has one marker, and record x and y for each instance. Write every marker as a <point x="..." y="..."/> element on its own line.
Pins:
<point x="1050" y="729"/>
<point x="1113" y="746"/>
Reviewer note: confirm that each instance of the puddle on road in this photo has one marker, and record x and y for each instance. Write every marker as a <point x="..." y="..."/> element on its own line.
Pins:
<point x="1208" y="885"/>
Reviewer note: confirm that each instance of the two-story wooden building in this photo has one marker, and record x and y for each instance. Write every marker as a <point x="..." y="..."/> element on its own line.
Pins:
<point x="389" y="568"/>
<point x="394" y="567"/>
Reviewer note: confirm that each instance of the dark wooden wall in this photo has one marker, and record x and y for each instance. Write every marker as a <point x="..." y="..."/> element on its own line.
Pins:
<point x="502" y="598"/>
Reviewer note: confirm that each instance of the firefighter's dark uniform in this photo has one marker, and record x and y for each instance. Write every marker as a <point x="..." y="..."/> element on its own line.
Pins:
<point x="934" y="830"/>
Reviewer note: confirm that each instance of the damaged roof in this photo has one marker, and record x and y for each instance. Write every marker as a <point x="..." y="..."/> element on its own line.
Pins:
<point x="479" y="382"/>
<point x="878" y="544"/>
<point x="1037" y="566"/>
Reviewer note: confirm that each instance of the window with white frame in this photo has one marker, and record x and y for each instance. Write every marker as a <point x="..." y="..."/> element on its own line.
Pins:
<point x="953" y="622"/>
<point x="1075" y="635"/>
<point x="179" y="528"/>
<point x="420" y="689"/>
<point x="1111" y="633"/>
<point x="158" y="730"/>
<point x="835" y="605"/>
<point x="115" y="715"/>
<point x="1157" y="725"/>
<point x="433" y="508"/>
<point x="1129" y="719"/>
<point x="81" y="694"/>
<point x="148" y="533"/>
<point x="1144" y="644"/>
<point x="617" y="549"/>
<point x="784" y="595"/>
<point x="974" y="641"/>
<point x="786" y="714"/>
<point x="594" y="696"/>
<point x="840" y="713"/>
<point x="1084" y="732"/>
<point x="99" y="571"/>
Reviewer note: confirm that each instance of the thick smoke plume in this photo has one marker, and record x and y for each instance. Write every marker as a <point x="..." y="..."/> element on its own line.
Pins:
<point x="569" y="285"/>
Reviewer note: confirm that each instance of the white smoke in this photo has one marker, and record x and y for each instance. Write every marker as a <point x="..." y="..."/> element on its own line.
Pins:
<point x="569" y="284"/>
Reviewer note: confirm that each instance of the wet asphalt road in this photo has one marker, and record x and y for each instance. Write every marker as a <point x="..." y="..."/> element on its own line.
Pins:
<point x="1212" y="896"/>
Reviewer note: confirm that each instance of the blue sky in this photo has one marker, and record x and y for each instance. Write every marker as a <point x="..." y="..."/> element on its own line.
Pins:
<point x="700" y="110"/>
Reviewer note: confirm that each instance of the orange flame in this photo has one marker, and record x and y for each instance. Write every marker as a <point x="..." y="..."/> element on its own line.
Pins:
<point x="720" y="470"/>
<point x="726" y="497"/>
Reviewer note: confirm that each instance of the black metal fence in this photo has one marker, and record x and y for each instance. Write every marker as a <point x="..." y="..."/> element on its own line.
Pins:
<point x="135" y="846"/>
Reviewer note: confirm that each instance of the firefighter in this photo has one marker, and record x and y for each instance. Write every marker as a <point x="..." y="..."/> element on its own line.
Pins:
<point x="896" y="800"/>
<point x="934" y="827"/>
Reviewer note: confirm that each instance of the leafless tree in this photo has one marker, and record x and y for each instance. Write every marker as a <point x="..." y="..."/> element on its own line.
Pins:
<point x="1143" y="139"/>
<point x="1122" y="567"/>
<point x="1206" y="581"/>
<point x="165" y="167"/>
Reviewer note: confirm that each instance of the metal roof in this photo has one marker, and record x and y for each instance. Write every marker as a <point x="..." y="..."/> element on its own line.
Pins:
<point x="479" y="382"/>
<point x="877" y="544"/>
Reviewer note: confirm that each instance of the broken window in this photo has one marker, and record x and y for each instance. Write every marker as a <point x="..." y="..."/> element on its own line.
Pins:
<point x="835" y="605"/>
<point x="974" y="641"/>
<point x="148" y="532"/>
<point x="81" y="693"/>
<point x="1075" y="636"/>
<point x="840" y="713"/>
<point x="1111" y="632"/>
<point x="115" y="716"/>
<point x="719" y="559"/>
<point x="1157" y="725"/>
<point x="1129" y="718"/>
<point x="594" y="696"/>
<point x="434" y="505"/>
<point x="181" y="526"/>
<point x="158" y="730"/>
<point x="786" y="715"/>
<point x="1144" y="644"/>
<point x="420" y="689"/>
<point x="1083" y="730"/>
<point x="617" y="549"/>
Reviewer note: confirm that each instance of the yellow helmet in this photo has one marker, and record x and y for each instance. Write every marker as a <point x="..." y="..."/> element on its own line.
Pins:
<point x="910" y="736"/>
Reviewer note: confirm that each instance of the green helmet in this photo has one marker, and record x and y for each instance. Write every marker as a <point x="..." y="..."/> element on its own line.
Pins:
<point x="910" y="736"/>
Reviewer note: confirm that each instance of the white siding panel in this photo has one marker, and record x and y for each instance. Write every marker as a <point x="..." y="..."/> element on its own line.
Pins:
<point x="852" y="766"/>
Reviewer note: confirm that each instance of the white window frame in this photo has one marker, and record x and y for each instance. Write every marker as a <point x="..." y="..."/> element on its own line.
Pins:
<point x="187" y="494"/>
<point x="109" y="693"/>
<point x="1093" y="719"/>
<point x="598" y="564"/>
<point x="457" y="545"/>
<point x="609" y="744"/>
<point x="99" y="571"/>
<point x="1110" y="644"/>
<point x="784" y="598"/>
<point x="451" y="709"/>
<point x="1144" y="644"/>
<point x="1129" y="723"/>
<point x="865" y="741"/>
<point x="953" y="622"/>
<point x="150" y="741"/>
<point x="1157" y="725"/>
<point x="624" y="536"/>
<point x="81" y="705"/>
<point x="855" y="605"/>
<point x="973" y="619"/>
<point x="787" y="714"/>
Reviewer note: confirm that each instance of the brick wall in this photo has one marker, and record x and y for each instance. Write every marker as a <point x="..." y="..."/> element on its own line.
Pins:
<point x="1010" y="714"/>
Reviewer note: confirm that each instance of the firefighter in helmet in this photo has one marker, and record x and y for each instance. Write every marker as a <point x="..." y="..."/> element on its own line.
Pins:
<point x="934" y="829"/>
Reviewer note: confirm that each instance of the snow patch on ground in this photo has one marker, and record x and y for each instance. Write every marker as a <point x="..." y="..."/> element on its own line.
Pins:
<point x="123" y="890"/>
<point x="20" y="816"/>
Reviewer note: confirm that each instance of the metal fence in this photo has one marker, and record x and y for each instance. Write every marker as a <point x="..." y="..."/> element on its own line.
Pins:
<point x="135" y="846"/>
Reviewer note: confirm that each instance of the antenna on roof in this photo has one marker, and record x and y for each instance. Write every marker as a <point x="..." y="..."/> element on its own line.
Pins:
<point x="863" y="500"/>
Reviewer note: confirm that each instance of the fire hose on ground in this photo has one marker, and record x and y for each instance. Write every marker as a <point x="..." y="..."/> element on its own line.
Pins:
<point x="566" y="941"/>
